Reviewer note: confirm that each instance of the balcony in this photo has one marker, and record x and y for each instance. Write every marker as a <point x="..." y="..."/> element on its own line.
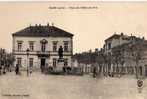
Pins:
<point x="43" y="53"/>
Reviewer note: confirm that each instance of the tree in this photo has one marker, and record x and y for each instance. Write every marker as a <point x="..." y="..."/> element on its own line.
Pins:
<point x="118" y="58"/>
<point x="6" y="60"/>
<point x="100" y="60"/>
<point x="10" y="60"/>
<point x="136" y="49"/>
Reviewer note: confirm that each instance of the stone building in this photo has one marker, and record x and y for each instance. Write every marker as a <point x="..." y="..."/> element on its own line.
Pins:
<point x="128" y="54"/>
<point x="116" y="40"/>
<point x="38" y="45"/>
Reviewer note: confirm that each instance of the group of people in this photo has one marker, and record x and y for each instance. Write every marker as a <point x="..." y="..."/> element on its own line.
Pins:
<point x="4" y="69"/>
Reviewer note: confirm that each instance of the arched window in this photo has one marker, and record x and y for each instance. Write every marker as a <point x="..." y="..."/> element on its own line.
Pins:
<point x="43" y="45"/>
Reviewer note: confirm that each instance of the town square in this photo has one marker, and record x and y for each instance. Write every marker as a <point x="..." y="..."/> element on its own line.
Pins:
<point x="38" y="86"/>
<point x="62" y="50"/>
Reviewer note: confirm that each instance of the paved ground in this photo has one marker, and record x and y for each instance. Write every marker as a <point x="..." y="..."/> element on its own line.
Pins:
<point x="39" y="86"/>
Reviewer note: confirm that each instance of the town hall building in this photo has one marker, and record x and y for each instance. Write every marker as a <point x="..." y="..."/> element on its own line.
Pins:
<point x="38" y="45"/>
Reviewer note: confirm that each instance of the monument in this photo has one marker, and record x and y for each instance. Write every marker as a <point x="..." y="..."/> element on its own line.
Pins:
<point x="60" y="63"/>
<point x="60" y="53"/>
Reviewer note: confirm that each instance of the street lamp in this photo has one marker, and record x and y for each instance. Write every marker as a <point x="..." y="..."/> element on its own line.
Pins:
<point x="27" y="61"/>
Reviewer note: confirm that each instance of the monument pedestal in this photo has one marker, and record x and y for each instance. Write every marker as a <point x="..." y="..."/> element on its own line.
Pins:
<point x="60" y="65"/>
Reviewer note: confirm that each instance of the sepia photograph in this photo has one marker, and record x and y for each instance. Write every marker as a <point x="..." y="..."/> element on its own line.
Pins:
<point x="73" y="50"/>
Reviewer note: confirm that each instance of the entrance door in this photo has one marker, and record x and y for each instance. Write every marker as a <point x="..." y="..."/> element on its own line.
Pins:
<point x="42" y="63"/>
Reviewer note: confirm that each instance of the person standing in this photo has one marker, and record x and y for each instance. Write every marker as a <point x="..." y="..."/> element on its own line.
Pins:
<point x="94" y="72"/>
<point x="31" y="69"/>
<point x="0" y="70"/>
<point x="17" y="69"/>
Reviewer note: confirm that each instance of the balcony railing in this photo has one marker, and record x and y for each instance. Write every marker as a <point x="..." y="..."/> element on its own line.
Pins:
<point x="43" y="53"/>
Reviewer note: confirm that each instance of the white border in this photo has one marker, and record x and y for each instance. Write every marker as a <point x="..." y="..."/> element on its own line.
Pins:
<point x="72" y="0"/>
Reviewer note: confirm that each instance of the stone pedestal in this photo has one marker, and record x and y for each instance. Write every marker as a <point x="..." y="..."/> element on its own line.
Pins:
<point x="60" y="65"/>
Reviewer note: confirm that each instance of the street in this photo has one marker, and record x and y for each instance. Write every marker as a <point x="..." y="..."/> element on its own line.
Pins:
<point x="40" y="86"/>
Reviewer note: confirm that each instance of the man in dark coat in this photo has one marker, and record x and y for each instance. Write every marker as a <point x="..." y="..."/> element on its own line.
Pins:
<point x="94" y="72"/>
<point x="17" y="69"/>
<point x="0" y="70"/>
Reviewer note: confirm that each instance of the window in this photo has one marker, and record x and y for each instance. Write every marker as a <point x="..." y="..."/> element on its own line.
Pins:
<point x="43" y="45"/>
<point x="19" y="45"/>
<point x="54" y="62"/>
<point x="66" y="46"/>
<point x="54" y="46"/>
<point x="31" y="45"/>
<point x="31" y="62"/>
<point x="66" y="62"/>
<point x="19" y="61"/>
<point x="109" y="45"/>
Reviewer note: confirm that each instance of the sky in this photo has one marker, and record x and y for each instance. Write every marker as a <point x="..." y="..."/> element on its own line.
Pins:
<point x="89" y="26"/>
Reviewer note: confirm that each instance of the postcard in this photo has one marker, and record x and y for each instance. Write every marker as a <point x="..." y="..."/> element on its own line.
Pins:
<point x="73" y="50"/>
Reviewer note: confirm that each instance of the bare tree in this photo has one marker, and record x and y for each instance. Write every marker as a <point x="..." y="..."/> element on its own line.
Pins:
<point x="6" y="60"/>
<point x="100" y="60"/>
<point x="136" y="49"/>
<point x="118" y="59"/>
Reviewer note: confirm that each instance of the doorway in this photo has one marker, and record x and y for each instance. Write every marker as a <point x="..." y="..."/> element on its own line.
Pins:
<point x="42" y="65"/>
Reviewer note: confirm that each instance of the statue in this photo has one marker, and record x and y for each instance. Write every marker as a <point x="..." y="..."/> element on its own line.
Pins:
<point x="60" y="52"/>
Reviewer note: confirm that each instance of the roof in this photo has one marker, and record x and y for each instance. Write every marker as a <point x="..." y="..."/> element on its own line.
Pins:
<point x="42" y="31"/>
<point x="116" y="36"/>
<point x="124" y="37"/>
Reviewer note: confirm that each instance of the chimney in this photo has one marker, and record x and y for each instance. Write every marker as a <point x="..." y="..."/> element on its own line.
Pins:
<point x="52" y="24"/>
<point x="36" y="25"/>
<point x="48" y="24"/>
<point x="122" y="33"/>
<point x="30" y="26"/>
<point x="39" y="24"/>
<point x="90" y="51"/>
<point x="143" y="38"/>
<point x="131" y="34"/>
<point x="96" y="50"/>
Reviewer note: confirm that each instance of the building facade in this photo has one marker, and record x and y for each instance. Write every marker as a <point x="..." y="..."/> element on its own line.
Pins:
<point x="38" y="45"/>
<point x="115" y="40"/>
<point x="128" y="54"/>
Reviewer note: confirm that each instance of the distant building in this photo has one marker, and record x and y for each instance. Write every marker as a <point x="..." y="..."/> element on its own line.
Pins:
<point x="116" y="40"/>
<point x="128" y="53"/>
<point x="43" y="42"/>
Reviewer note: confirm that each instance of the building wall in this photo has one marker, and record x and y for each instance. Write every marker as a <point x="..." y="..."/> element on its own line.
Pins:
<point x="37" y="40"/>
<point x="129" y="62"/>
<point x="114" y="43"/>
<point x="37" y="47"/>
<point x="25" y="61"/>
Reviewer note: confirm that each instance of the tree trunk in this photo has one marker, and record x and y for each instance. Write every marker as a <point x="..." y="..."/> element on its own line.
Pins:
<point x="117" y="69"/>
<point x="136" y="69"/>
